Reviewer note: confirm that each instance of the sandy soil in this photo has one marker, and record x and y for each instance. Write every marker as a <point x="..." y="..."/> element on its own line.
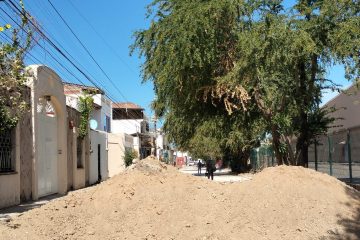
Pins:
<point x="154" y="201"/>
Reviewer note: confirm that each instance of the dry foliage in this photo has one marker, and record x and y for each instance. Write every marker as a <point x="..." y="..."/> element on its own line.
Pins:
<point x="233" y="97"/>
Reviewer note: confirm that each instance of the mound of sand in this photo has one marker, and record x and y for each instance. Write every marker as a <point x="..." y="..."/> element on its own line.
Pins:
<point x="154" y="201"/>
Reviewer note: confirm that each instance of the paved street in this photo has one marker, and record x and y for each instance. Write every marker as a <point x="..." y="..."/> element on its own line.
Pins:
<point x="223" y="175"/>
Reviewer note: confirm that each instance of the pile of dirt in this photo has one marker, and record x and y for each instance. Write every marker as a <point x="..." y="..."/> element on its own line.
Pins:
<point x="154" y="201"/>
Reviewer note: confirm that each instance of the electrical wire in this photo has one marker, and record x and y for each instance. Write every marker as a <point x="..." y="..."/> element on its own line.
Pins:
<point x="58" y="50"/>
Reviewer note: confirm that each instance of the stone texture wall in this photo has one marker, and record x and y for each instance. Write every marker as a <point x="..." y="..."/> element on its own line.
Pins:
<point x="73" y="119"/>
<point x="76" y="176"/>
<point x="26" y="150"/>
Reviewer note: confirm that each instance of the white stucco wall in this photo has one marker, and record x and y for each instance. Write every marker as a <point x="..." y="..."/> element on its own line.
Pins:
<point x="98" y="114"/>
<point x="160" y="141"/>
<point x="105" y="111"/>
<point x="117" y="144"/>
<point x="136" y="145"/>
<point x="45" y="82"/>
<point x="98" y="137"/>
<point x="128" y="126"/>
<point x="78" y="173"/>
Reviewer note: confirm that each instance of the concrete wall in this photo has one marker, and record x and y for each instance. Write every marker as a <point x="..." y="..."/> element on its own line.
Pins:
<point x="26" y="154"/>
<point x="76" y="175"/>
<point x="45" y="82"/>
<point x="117" y="145"/>
<point x="10" y="182"/>
<point x="98" y="138"/>
<point x="72" y="119"/>
<point x="17" y="186"/>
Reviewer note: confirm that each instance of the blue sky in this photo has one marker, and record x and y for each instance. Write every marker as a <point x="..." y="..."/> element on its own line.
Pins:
<point x="115" y="21"/>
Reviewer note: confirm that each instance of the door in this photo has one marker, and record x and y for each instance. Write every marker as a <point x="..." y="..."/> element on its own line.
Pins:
<point x="47" y="154"/>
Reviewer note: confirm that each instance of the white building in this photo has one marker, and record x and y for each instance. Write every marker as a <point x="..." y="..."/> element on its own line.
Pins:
<point x="162" y="143"/>
<point x="102" y="112"/>
<point x="129" y="118"/>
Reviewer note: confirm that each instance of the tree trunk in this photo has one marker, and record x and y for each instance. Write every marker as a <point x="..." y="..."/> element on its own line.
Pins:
<point x="239" y="161"/>
<point x="302" y="143"/>
<point x="276" y="144"/>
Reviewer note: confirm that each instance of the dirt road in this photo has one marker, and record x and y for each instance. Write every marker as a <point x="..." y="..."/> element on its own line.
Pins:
<point x="155" y="201"/>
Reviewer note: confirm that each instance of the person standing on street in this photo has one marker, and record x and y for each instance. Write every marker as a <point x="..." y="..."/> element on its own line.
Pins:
<point x="210" y="169"/>
<point x="199" y="165"/>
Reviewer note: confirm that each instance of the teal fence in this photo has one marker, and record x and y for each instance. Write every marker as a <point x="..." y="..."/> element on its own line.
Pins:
<point x="337" y="154"/>
<point x="262" y="157"/>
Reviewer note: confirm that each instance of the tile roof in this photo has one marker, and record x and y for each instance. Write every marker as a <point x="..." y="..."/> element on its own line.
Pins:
<point x="128" y="105"/>
<point x="76" y="88"/>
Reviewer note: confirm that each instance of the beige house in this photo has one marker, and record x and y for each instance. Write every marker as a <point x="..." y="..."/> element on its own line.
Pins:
<point x="118" y="143"/>
<point x="34" y="157"/>
<point x="44" y="154"/>
<point x="15" y="147"/>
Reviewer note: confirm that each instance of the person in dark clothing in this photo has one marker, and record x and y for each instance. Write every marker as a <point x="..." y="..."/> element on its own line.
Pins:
<point x="199" y="165"/>
<point x="210" y="169"/>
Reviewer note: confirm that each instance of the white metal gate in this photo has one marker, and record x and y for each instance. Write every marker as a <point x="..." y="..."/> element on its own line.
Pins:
<point x="48" y="156"/>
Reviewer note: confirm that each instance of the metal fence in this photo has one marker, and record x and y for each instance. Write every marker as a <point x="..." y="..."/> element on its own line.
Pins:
<point x="262" y="157"/>
<point x="337" y="154"/>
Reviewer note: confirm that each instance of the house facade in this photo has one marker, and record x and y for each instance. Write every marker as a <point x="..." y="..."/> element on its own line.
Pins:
<point x="45" y="154"/>
<point x="97" y="159"/>
<point x="129" y="118"/>
<point x="102" y="110"/>
<point x="38" y="145"/>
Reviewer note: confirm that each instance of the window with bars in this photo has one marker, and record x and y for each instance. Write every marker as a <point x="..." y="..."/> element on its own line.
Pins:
<point x="6" y="152"/>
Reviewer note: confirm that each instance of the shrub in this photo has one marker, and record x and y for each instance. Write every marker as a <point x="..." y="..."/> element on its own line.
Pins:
<point x="130" y="154"/>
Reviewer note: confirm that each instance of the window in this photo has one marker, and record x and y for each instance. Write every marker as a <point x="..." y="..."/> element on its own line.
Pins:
<point x="79" y="152"/>
<point x="6" y="152"/>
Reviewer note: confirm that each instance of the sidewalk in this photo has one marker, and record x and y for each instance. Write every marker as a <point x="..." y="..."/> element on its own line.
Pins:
<point x="223" y="175"/>
<point x="7" y="213"/>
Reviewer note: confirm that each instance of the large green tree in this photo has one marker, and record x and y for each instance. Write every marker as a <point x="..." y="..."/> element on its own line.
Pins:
<point x="250" y="65"/>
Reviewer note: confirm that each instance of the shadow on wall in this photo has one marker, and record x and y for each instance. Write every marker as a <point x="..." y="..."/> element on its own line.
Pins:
<point x="350" y="224"/>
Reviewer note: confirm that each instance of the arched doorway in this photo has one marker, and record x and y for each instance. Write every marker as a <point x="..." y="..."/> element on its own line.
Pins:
<point x="48" y="107"/>
<point x="47" y="163"/>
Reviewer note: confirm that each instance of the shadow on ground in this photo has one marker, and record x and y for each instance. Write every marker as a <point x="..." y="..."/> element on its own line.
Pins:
<point x="8" y="213"/>
<point x="217" y="173"/>
<point x="351" y="224"/>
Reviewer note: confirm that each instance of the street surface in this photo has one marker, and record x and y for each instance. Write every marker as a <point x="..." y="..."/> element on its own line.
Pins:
<point x="223" y="175"/>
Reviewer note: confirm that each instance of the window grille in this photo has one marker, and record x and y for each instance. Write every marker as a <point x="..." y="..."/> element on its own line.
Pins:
<point x="6" y="164"/>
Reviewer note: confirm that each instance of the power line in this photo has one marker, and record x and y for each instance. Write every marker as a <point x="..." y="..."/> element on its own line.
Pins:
<point x="55" y="47"/>
<point x="86" y="49"/>
<point x="112" y="50"/>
